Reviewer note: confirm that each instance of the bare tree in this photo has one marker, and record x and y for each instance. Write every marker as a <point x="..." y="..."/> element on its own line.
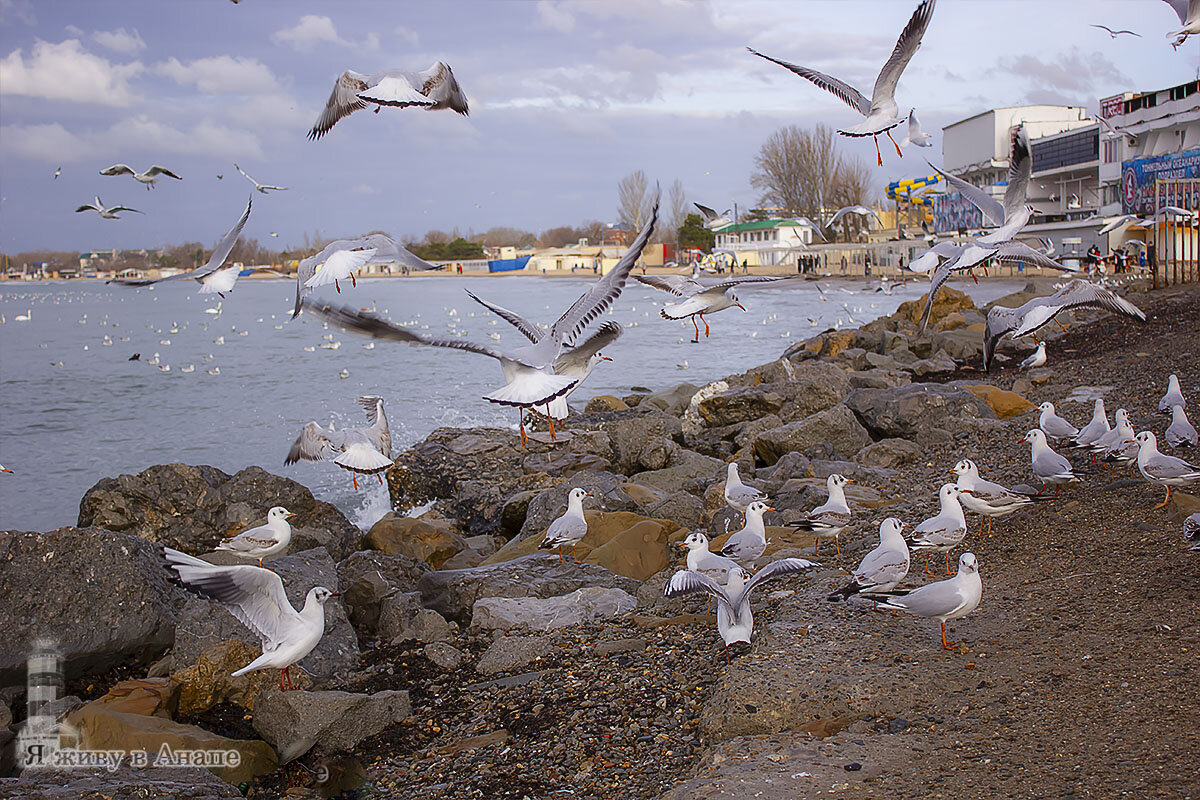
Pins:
<point x="633" y="200"/>
<point x="504" y="237"/>
<point x="852" y="187"/>
<point x="560" y="237"/>
<point x="677" y="213"/>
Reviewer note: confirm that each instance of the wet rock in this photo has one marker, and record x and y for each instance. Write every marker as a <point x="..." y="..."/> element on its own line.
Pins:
<point x="605" y="402"/>
<point x="327" y="722"/>
<point x="209" y="681"/>
<point x="151" y="697"/>
<point x="889" y="453"/>
<point x="565" y="462"/>
<point x="740" y="404"/>
<point x="634" y="430"/>
<point x="452" y="593"/>
<point x="478" y="504"/>
<point x="835" y="430"/>
<point x="59" y="584"/>
<point x="544" y="614"/>
<point x="431" y="541"/>
<point x="509" y="653"/>
<point x="673" y="401"/>
<point x="1004" y="404"/>
<point x="926" y="413"/>
<point x="402" y="617"/>
<point x="366" y="578"/>
<point x="203" y="624"/>
<point x="692" y="424"/>
<point x="444" y="655"/>
<point x="191" y="508"/>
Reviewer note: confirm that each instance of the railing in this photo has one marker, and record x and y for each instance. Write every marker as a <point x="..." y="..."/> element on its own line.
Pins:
<point x="1175" y="243"/>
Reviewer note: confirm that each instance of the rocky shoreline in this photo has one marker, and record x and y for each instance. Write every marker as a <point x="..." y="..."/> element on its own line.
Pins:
<point x="461" y="662"/>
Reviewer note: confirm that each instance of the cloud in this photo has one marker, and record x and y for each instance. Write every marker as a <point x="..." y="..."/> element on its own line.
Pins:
<point x="311" y="30"/>
<point x="75" y="31"/>
<point x="120" y="40"/>
<point x="365" y="188"/>
<point x="405" y="35"/>
<point x="53" y="143"/>
<point x="20" y="9"/>
<point x="220" y="75"/>
<point x="555" y="17"/>
<point x="66" y="71"/>
<point x="1074" y="76"/>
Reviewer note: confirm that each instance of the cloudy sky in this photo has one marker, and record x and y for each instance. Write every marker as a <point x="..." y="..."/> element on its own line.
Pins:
<point x="566" y="97"/>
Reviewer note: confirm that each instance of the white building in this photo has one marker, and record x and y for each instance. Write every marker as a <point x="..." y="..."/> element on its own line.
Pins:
<point x="766" y="242"/>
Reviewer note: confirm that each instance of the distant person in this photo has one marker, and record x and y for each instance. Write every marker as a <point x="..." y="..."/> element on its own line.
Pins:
<point x="867" y="265"/>
<point x="745" y="266"/>
<point x="843" y="265"/>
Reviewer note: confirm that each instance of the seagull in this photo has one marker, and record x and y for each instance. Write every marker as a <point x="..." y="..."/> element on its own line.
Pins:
<point x="262" y="187"/>
<point x="735" y="621"/>
<point x="737" y="494"/>
<point x="944" y="532"/>
<point x="57" y="172"/>
<point x="701" y="559"/>
<point x="828" y="520"/>
<point x="360" y="451"/>
<point x="1036" y="359"/>
<point x="385" y="250"/>
<point x="1121" y="433"/>
<point x="1191" y="531"/>
<point x="105" y="213"/>
<point x="6" y="469"/>
<point x="861" y="211"/>
<point x="1089" y="434"/>
<point x="1180" y="433"/>
<point x="883" y="568"/>
<point x="264" y="540"/>
<point x="340" y="265"/>
<point x="1162" y="469"/>
<point x="698" y="299"/>
<point x="1189" y="16"/>
<point x="881" y="111"/>
<point x="944" y="600"/>
<point x="748" y="543"/>
<point x="1048" y="466"/>
<point x="433" y="89"/>
<point x="149" y="177"/>
<point x="1053" y="425"/>
<point x="577" y="361"/>
<point x="1115" y="34"/>
<point x="712" y="219"/>
<point x="1173" y="397"/>
<point x="211" y="277"/>
<point x="570" y="528"/>
<point x="255" y="596"/>
<point x="986" y="498"/>
<point x="915" y="134"/>
<point x="1039" y="311"/>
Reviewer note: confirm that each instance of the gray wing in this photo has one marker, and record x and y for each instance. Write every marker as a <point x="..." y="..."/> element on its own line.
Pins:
<point x="991" y="208"/>
<point x="252" y="594"/>
<point x="1000" y="320"/>
<point x="157" y="170"/>
<point x="719" y="288"/>
<point x="839" y="89"/>
<point x="678" y="285"/>
<point x="313" y="444"/>
<point x="936" y="278"/>
<point x="1181" y="433"/>
<point x="386" y="249"/>
<point x="709" y="214"/>
<point x="1051" y="463"/>
<point x="1076" y="294"/>
<point x="906" y="47"/>
<point x="882" y="566"/>
<point x="1020" y="165"/>
<point x="530" y="331"/>
<point x="379" y="434"/>
<point x="784" y="566"/>
<point x="221" y="252"/>
<point x="118" y="169"/>
<point x="342" y="102"/>
<point x="441" y="86"/>
<point x="931" y="600"/>
<point x="1164" y="467"/>
<point x="686" y="581"/>
<point x="576" y="359"/>
<point x="567" y="528"/>
<point x="1013" y="250"/>
<point x="605" y="291"/>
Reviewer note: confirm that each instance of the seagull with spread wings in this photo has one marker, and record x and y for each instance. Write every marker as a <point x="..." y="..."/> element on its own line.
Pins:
<point x="348" y="255"/>
<point x="211" y="277"/>
<point x="360" y="451"/>
<point x="1188" y="12"/>
<point x="712" y="219"/>
<point x="433" y="89"/>
<point x="149" y="177"/>
<point x="1115" y="34"/>
<point x="262" y="187"/>
<point x="698" y="299"/>
<point x="881" y="112"/>
<point x="105" y="213"/>
<point x="915" y="135"/>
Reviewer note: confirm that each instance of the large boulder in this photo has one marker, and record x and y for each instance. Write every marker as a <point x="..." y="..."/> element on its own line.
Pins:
<point x="452" y="593"/>
<point x="544" y="614"/>
<point x="834" y="431"/>
<point x="683" y="467"/>
<point x="510" y="653"/>
<point x="479" y="505"/>
<point x="192" y="508"/>
<point x="961" y="345"/>
<point x="331" y="722"/>
<point x="368" y="577"/>
<point x="889" y="453"/>
<point x="947" y="301"/>
<point x="632" y="431"/>
<point x="927" y="413"/>
<point x="210" y="680"/>
<point x="402" y="617"/>
<point x="431" y="541"/>
<point x="103" y="598"/>
<point x="740" y="404"/>
<point x="673" y="401"/>
<point x="1004" y="403"/>
<point x="204" y="623"/>
<point x="608" y="494"/>
<point x="814" y="386"/>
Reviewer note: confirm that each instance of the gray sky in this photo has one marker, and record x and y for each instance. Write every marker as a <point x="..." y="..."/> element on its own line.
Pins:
<point x="566" y="98"/>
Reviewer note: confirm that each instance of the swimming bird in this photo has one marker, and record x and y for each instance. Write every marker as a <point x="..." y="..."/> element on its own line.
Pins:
<point x="211" y="277"/>
<point x="748" y="543"/>
<point x="384" y="250"/>
<point x="945" y="531"/>
<point x="1173" y="397"/>
<point x="883" y="568"/>
<point x="828" y="520"/>
<point x="1032" y="315"/>
<point x="570" y="528"/>
<point x="698" y="299"/>
<point x="986" y="498"/>
<point x="1035" y="359"/>
<point x="149" y="177"/>
<point x="256" y="598"/>
<point x="881" y="112"/>
<point x="263" y="540"/>
<point x="1048" y="466"/>
<point x="433" y="89"/>
<point x="944" y="600"/>
<point x="915" y="134"/>
<point x="1053" y="425"/>
<point x="737" y="494"/>
<point x="735" y="620"/>
<point x="110" y="212"/>
<point x="262" y="187"/>
<point x="1163" y="469"/>
<point x="360" y="451"/>
<point x="1180" y="433"/>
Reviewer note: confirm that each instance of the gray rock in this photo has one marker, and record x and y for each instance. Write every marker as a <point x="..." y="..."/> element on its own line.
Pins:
<point x="927" y="413"/>
<point x="823" y="469"/>
<point x="739" y="404"/>
<point x="402" y="617"/>
<point x="544" y="614"/>
<point x="815" y="386"/>
<point x="961" y="344"/>
<point x="77" y="783"/>
<point x="890" y="453"/>
<point x="366" y="578"/>
<point x="615" y="646"/>
<point x="891" y="340"/>
<point x="939" y="364"/>
<point x="102" y="597"/>
<point x="834" y="431"/>
<point x="791" y="465"/>
<point x="681" y="507"/>
<point x="204" y="624"/>
<point x="453" y="593"/>
<point x="511" y="653"/>
<point x="673" y="401"/>
<point x="192" y="508"/>
<point x="329" y="722"/>
<point x="607" y="495"/>
<point x="478" y="504"/>
<point x="878" y="379"/>
<point x="686" y="466"/>
<point x="880" y="361"/>
<point x="633" y="430"/>
<point x="444" y="655"/>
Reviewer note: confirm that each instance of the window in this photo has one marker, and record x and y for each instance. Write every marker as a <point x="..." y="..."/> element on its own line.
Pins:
<point x="1112" y="150"/>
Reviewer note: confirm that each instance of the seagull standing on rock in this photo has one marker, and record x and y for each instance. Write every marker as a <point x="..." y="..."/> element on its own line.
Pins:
<point x="944" y="532"/>
<point x="1173" y="397"/>
<point x="570" y="528"/>
<point x="883" y="568"/>
<point x="986" y="498"/>
<point x="1162" y="469"/>
<point x="737" y="494"/>
<point x="264" y="540"/>
<point x="828" y="520"/>
<point x="944" y="600"/>
<point x="1053" y="425"/>
<point x="1036" y="359"/>
<point x="1089" y="434"/>
<point x="747" y="544"/>
<point x="1180" y="433"/>
<point x="1048" y="466"/>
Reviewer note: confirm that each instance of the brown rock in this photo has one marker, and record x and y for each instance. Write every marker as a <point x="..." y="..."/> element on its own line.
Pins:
<point x="605" y="402"/>
<point x="950" y="322"/>
<point x="948" y="300"/>
<point x="430" y="541"/>
<point x="832" y="343"/>
<point x="1006" y="404"/>
<point x="642" y="495"/>
<point x="475" y="742"/>
<point x="150" y="697"/>
<point x="209" y="681"/>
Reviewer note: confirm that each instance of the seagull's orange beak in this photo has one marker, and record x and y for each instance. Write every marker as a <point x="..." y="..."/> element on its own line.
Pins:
<point x="849" y="480"/>
<point x="770" y="508"/>
<point x="605" y="358"/>
<point x="6" y="469"/>
<point x="739" y="305"/>
<point x="292" y="514"/>
<point x="589" y="494"/>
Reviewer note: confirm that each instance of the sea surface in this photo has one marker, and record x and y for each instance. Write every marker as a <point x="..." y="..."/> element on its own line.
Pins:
<point x="75" y="409"/>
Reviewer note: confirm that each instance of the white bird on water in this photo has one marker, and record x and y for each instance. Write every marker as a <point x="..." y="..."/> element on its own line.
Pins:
<point x="433" y="89"/>
<point x="944" y="600"/>
<point x="263" y="540"/>
<point x="570" y="528"/>
<point x="255" y="596"/>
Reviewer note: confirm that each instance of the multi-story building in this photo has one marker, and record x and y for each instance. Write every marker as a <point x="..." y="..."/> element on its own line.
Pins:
<point x="765" y="242"/>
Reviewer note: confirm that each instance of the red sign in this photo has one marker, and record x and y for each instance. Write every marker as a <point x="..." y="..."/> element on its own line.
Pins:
<point x="1112" y="106"/>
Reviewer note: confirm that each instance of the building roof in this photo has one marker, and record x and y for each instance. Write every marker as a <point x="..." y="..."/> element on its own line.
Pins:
<point x="760" y="225"/>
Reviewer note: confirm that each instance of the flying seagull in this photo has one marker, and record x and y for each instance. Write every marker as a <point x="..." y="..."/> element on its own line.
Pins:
<point x="1188" y="12"/>
<point x="698" y="299"/>
<point x="712" y="219"/>
<point x="881" y="111"/>
<point x="360" y="451"/>
<point x="385" y="251"/>
<point x="1115" y="34"/>
<point x="861" y="211"/>
<point x="105" y="213"/>
<point x="149" y="177"/>
<point x="262" y="187"/>
<point x="211" y="277"/>
<point x="915" y="134"/>
<point x="57" y="172"/>
<point x="433" y="89"/>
